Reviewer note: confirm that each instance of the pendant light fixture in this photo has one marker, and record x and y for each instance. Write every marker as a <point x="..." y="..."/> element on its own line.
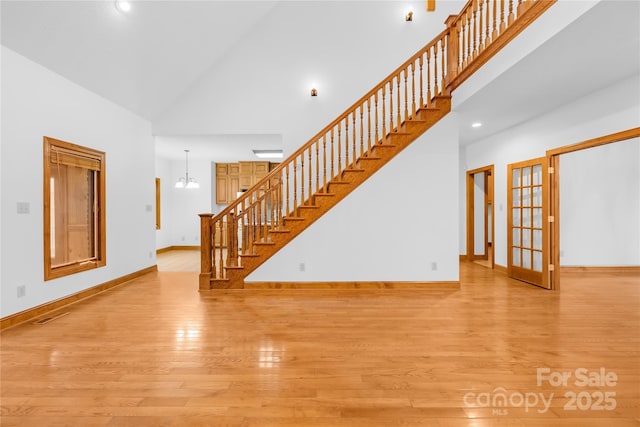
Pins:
<point x="185" y="181"/>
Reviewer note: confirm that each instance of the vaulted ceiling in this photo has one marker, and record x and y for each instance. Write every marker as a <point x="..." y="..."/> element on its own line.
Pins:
<point x="152" y="58"/>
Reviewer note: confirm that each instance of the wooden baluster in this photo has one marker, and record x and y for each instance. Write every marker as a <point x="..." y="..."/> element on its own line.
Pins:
<point x="346" y="142"/>
<point x="265" y="217"/>
<point x="494" y="33"/>
<point x="280" y="200"/>
<point x="355" y="141"/>
<point x="502" y="23"/>
<point x="317" y="167"/>
<point x="520" y="7"/>
<point x="406" y="95"/>
<point x="474" y="26"/>
<point x="510" y="12"/>
<point x="295" y="186"/>
<point x="223" y="272"/>
<point x="339" y="147"/>
<point x="391" y="105"/>
<point x="324" y="162"/>
<point x="436" y="90"/>
<point x="384" y="119"/>
<point x="469" y="35"/>
<point x="375" y="111"/>
<point x="251" y="229"/>
<point x="480" y="27"/>
<point x="310" y="173"/>
<point x="302" y="199"/>
<point x="362" y="129"/>
<point x="487" y="36"/>
<point x="429" y="77"/>
<point x="332" y="156"/>
<point x="272" y="207"/>
<point x="421" y="85"/>
<point x="399" y="120"/>
<point x="413" y="89"/>
<point x="287" y="195"/>
<point x="443" y="58"/>
<point x="369" y="125"/>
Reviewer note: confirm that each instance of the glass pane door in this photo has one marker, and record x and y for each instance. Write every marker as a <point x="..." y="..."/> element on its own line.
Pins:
<point x="526" y="226"/>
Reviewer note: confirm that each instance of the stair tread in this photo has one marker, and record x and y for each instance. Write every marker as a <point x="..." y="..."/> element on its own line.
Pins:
<point x="308" y="207"/>
<point x="249" y="255"/>
<point x="263" y="243"/>
<point x="324" y="194"/>
<point x="279" y="231"/>
<point x="369" y="158"/>
<point x="293" y="218"/>
<point x="353" y="170"/>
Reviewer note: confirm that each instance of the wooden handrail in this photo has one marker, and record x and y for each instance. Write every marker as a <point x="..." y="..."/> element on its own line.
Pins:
<point x="469" y="39"/>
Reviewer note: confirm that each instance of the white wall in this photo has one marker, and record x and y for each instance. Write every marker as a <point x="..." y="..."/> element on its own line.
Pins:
<point x="600" y="208"/>
<point x="604" y="112"/>
<point x="36" y="103"/>
<point x="391" y="228"/>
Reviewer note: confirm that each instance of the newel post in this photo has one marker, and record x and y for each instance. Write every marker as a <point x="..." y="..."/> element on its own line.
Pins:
<point x="205" y="251"/>
<point x="453" y="46"/>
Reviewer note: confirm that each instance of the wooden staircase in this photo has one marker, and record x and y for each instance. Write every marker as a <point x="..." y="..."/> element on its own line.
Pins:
<point x="357" y="144"/>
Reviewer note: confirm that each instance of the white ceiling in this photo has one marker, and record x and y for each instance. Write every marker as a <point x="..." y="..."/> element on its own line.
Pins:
<point x="599" y="49"/>
<point x="144" y="59"/>
<point x="147" y="59"/>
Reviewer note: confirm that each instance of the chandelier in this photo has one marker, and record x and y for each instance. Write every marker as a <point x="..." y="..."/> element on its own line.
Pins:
<point x="185" y="181"/>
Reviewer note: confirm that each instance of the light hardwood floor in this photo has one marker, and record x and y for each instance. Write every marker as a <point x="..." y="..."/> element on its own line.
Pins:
<point x="155" y="352"/>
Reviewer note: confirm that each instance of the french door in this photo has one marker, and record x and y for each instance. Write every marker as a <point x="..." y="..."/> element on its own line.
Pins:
<point x="527" y="233"/>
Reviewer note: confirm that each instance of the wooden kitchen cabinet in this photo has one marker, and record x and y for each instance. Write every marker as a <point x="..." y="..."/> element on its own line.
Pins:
<point x="227" y="182"/>
<point x="234" y="177"/>
<point x="251" y="173"/>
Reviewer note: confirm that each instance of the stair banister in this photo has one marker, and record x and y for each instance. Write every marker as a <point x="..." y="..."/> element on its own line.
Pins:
<point x="468" y="41"/>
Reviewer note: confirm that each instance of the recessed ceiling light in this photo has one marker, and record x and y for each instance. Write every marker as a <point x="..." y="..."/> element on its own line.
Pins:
<point x="268" y="154"/>
<point x="476" y="125"/>
<point x="123" y="6"/>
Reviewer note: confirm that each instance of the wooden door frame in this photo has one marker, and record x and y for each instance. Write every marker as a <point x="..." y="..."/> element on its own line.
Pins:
<point x="489" y="195"/>
<point x="553" y="161"/>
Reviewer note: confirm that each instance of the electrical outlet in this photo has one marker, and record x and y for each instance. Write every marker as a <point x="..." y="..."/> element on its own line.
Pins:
<point x="434" y="266"/>
<point x="302" y="267"/>
<point x="561" y="253"/>
<point x="22" y="291"/>
<point x="183" y="238"/>
<point x="24" y="208"/>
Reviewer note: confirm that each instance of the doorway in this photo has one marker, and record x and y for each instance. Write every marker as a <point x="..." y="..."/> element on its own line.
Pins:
<point x="480" y="216"/>
<point x="553" y="159"/>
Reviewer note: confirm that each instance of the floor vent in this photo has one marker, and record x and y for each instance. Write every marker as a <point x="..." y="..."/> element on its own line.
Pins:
<point x="49" y="319"/>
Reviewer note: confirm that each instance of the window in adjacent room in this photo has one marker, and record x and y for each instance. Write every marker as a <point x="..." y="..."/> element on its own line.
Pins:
<point x="74" y="208"/>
